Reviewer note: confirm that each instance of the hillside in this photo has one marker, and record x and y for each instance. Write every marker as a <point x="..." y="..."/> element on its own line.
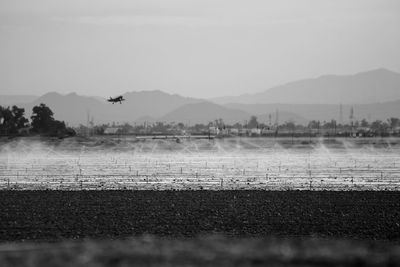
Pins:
<point x="205" y="112"/>
<point x="153" y="103"/>
<point x="379" y="85"/>
<point x="71" y="108"/>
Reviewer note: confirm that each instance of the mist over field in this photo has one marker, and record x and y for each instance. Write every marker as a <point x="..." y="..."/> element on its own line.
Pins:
<point x="236" y="163"/>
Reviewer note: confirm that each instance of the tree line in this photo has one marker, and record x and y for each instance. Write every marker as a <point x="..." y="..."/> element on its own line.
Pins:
<point x="387" y="127"/>
<point x="13" y="122"/>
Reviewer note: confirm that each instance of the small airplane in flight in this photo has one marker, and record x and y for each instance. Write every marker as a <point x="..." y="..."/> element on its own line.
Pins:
<point x="117" y="99"/>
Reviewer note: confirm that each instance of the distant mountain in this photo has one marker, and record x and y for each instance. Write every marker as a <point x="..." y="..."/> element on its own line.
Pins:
<point x="76" y="109"/>
<point x="205" y="112"/>
<point x="71" y="108"/>
<point x="10" y="100"/>
<point x="153" y="103"/>
<point x="363" y="88"/>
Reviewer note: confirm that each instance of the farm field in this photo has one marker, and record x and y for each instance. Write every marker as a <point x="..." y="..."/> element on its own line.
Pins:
<point x="222" y="164"/>
<point x="58" y="215"/>
<point x="226" y="202"/>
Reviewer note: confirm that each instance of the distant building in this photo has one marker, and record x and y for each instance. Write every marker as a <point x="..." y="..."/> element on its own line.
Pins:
<point x="255" y="132"/>
<point x="224" y="131"/>
<point x="234" y="131"/>
<point x="267" y="131"/>
<point x="111" y="130"/>
<point x="243" y="131"/>
<point x="396" y="130"/>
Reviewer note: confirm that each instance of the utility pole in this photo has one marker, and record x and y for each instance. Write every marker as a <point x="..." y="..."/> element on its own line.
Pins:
<point x="351" y="119"/>
<point x="341" y="114"/>
<point x="270" y="120"/>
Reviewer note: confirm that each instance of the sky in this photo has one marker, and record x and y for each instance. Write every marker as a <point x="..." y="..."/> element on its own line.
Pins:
<point x="204" y="48"/>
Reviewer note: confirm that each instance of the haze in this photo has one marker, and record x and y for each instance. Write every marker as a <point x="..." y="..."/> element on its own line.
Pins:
<point x="193" y="48"/>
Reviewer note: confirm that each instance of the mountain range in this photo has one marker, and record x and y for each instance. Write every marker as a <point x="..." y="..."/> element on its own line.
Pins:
<point x="373" y="86"/>
<point x="372" y="95"/>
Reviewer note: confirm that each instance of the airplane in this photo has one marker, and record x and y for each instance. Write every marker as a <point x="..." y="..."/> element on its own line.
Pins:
<point x="117" y="99"/>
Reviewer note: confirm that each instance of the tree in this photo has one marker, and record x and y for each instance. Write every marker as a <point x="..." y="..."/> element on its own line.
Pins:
<point x="329" y="125"/>
<point x="219" y="123"/>
<point x="289" y="125"/>
<point x="314" y="124"/>
<point x="11" y="120"/>
<point x="42" y="118"/>
<point x="6" y="118"/>
<point x="379" y="127"/>
<point x="19" y="120"/>
<point x="364" y="123"/>
<point x="253" y="123"/>
<point x="393" y="123"/>
<point x="44" y="123"/>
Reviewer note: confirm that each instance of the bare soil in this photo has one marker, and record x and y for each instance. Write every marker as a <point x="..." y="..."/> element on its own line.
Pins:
<point x="58" y="215"/>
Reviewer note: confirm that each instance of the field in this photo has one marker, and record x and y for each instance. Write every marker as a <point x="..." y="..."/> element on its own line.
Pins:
<point x="239" y="163"/>
<point x="56" y="215"/>
<point x="199" y="228"/>
<point x="226" y="202"/>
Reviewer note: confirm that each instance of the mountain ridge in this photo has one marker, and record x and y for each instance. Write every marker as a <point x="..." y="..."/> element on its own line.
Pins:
<point x="379" y="85"/>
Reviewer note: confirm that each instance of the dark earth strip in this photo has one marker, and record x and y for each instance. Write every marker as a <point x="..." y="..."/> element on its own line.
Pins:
<point x="56" y="215"/>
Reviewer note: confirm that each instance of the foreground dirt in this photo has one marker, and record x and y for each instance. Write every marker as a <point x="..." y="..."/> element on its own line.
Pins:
<point x="57" y="215"/>
<point x="209" y="251"/>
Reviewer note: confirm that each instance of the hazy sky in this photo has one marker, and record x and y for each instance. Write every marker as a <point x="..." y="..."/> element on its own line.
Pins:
<point x="201" y="48"/>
